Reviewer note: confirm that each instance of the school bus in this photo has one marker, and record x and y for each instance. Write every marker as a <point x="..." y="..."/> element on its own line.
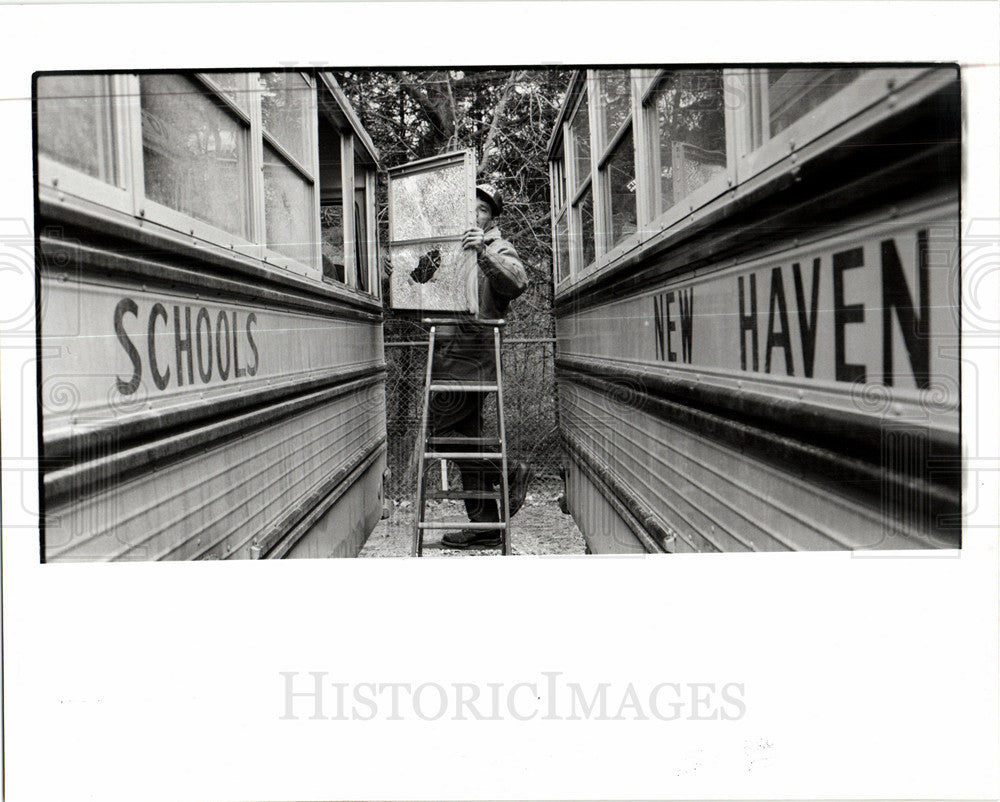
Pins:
<point x="757" y="304"/>
<point x="211" y="368"/>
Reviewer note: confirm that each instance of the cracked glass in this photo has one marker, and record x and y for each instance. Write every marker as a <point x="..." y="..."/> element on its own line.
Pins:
<point x="430" y="204"/>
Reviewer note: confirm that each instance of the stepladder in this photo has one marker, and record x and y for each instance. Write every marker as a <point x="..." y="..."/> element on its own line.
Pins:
<point x="476" y="453"/>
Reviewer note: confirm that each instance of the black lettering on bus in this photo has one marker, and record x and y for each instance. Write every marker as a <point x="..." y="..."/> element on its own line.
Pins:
<point x="183" y="344"/>
<point x="686" y="300"/>
<point x="658" y="332"/>
<point x="896" y="296"/>
<point x="844" y="314"/>
<point x="222" y="322"/>
<point x="777" y="339"/>
<point x="252" y="318"/>
<point x="238" y="372"/>
<point x="807" y="321"/>
<point x="126" y="306"/>
<point x="160" y="380"/>
<point x="748" y="322"/>
<point x="670" y="326"/>
<point x="203" y="373"/>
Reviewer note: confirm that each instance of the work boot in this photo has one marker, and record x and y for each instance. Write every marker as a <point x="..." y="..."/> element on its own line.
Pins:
<point x="517" y="485"/>
<point x="469" y="538"/>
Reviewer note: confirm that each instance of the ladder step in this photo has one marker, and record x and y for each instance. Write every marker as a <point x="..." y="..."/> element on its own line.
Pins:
<point x="462" y="455"/>
<point x="454" y="525"/>
<point x="464" y="442"/>
<point x="467" y="387"/>
<point x="463" y="494"/>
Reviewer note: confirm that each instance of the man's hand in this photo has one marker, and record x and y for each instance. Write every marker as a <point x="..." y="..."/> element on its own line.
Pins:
<point x="474" y="240"/>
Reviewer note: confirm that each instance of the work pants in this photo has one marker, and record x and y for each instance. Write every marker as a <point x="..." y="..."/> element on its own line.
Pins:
<point x="461" y="414"/>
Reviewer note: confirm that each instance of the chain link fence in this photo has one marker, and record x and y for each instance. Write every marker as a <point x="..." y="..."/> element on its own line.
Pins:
<point x="529" y="410"/>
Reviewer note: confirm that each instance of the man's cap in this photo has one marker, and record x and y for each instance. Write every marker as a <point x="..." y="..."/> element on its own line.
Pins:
<point x="492" y="196"/>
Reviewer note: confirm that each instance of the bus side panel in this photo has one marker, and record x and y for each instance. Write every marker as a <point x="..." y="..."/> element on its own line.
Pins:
<point x="806" y="398"/>
<point x="193" y="416"/>
<point x="604" y="528"/>
<point x="343" y="529"/>
<point x="217" y="502"/>
<point x="706" y="495"/>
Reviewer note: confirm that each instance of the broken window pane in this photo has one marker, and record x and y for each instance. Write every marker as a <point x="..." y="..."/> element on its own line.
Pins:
<point x="432" y="203"/>
<point x="433" y="275"/>
<point x="360" y="240"/>
<point x="430" y="206"/>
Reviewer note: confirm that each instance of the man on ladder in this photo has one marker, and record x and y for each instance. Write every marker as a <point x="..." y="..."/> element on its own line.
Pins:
<point x="465" y="352"/>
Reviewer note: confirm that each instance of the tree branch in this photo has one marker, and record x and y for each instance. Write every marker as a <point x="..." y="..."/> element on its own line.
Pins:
<point x="495" y="124"/>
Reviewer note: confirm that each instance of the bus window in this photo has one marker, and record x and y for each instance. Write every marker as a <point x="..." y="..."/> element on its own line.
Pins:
<point x="562" y="249"/>
<point x="331" y="214"/>
<point x="792" y="107"/>
<point x="233" y="85"/>
<point x="583" y="218"/>
<point x="288" y="209"/>
<point x="580" y="142"/>
<point x="195" y="153"/>
<point x="616" y="173"/>
<point x="76" y="123"/>
<point x="558" y="184"/>
<point x="286" y="109"/>
<point x="617" y="178"/>
<point x="787" y="95"/>
<point x="288" y="112"/>
<point x="331" y="218"/>
<point x="361" y="240"/>
<point x="616" y="102"/>
<point x="684" y="117"/>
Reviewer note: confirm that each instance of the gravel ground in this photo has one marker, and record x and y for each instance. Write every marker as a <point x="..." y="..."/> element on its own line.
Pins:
<point x="538" y="528"/>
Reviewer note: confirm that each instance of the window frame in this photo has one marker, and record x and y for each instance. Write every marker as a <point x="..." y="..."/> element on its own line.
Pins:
<point x="577" y="187"/>
<point x="602" y="152"/>
<point x="576" y="231"/>
<point x="869" y="89"/>
<point x="574" y="185"/>
<point x="464" y="161"/>
<point x="309" y="173"/>
<point x="646" y="86"/>
<point x="371" y="232"/>
<point x="347" y="208"/>
<point x="146" y="208"/>
<point x="67" y="180"/>
<point x="559" y="212"/>
<point x="126" y="199"/>
<point x="746" y="168"/>
<point x="357" y="153"/>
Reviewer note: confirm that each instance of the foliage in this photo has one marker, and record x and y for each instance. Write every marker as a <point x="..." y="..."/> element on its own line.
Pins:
<point x="506" y="117"/>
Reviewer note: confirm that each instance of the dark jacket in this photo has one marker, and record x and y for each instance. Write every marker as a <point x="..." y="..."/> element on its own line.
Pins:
<point x="465" y="352"/>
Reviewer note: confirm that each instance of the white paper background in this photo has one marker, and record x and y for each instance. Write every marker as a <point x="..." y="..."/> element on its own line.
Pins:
<point x="864" y="677"/>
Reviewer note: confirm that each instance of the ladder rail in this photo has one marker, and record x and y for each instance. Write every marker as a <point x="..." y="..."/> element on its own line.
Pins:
<point x="504" y="508"/>
<point x="421" y="443"/>
<point x="424" y="455"/>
